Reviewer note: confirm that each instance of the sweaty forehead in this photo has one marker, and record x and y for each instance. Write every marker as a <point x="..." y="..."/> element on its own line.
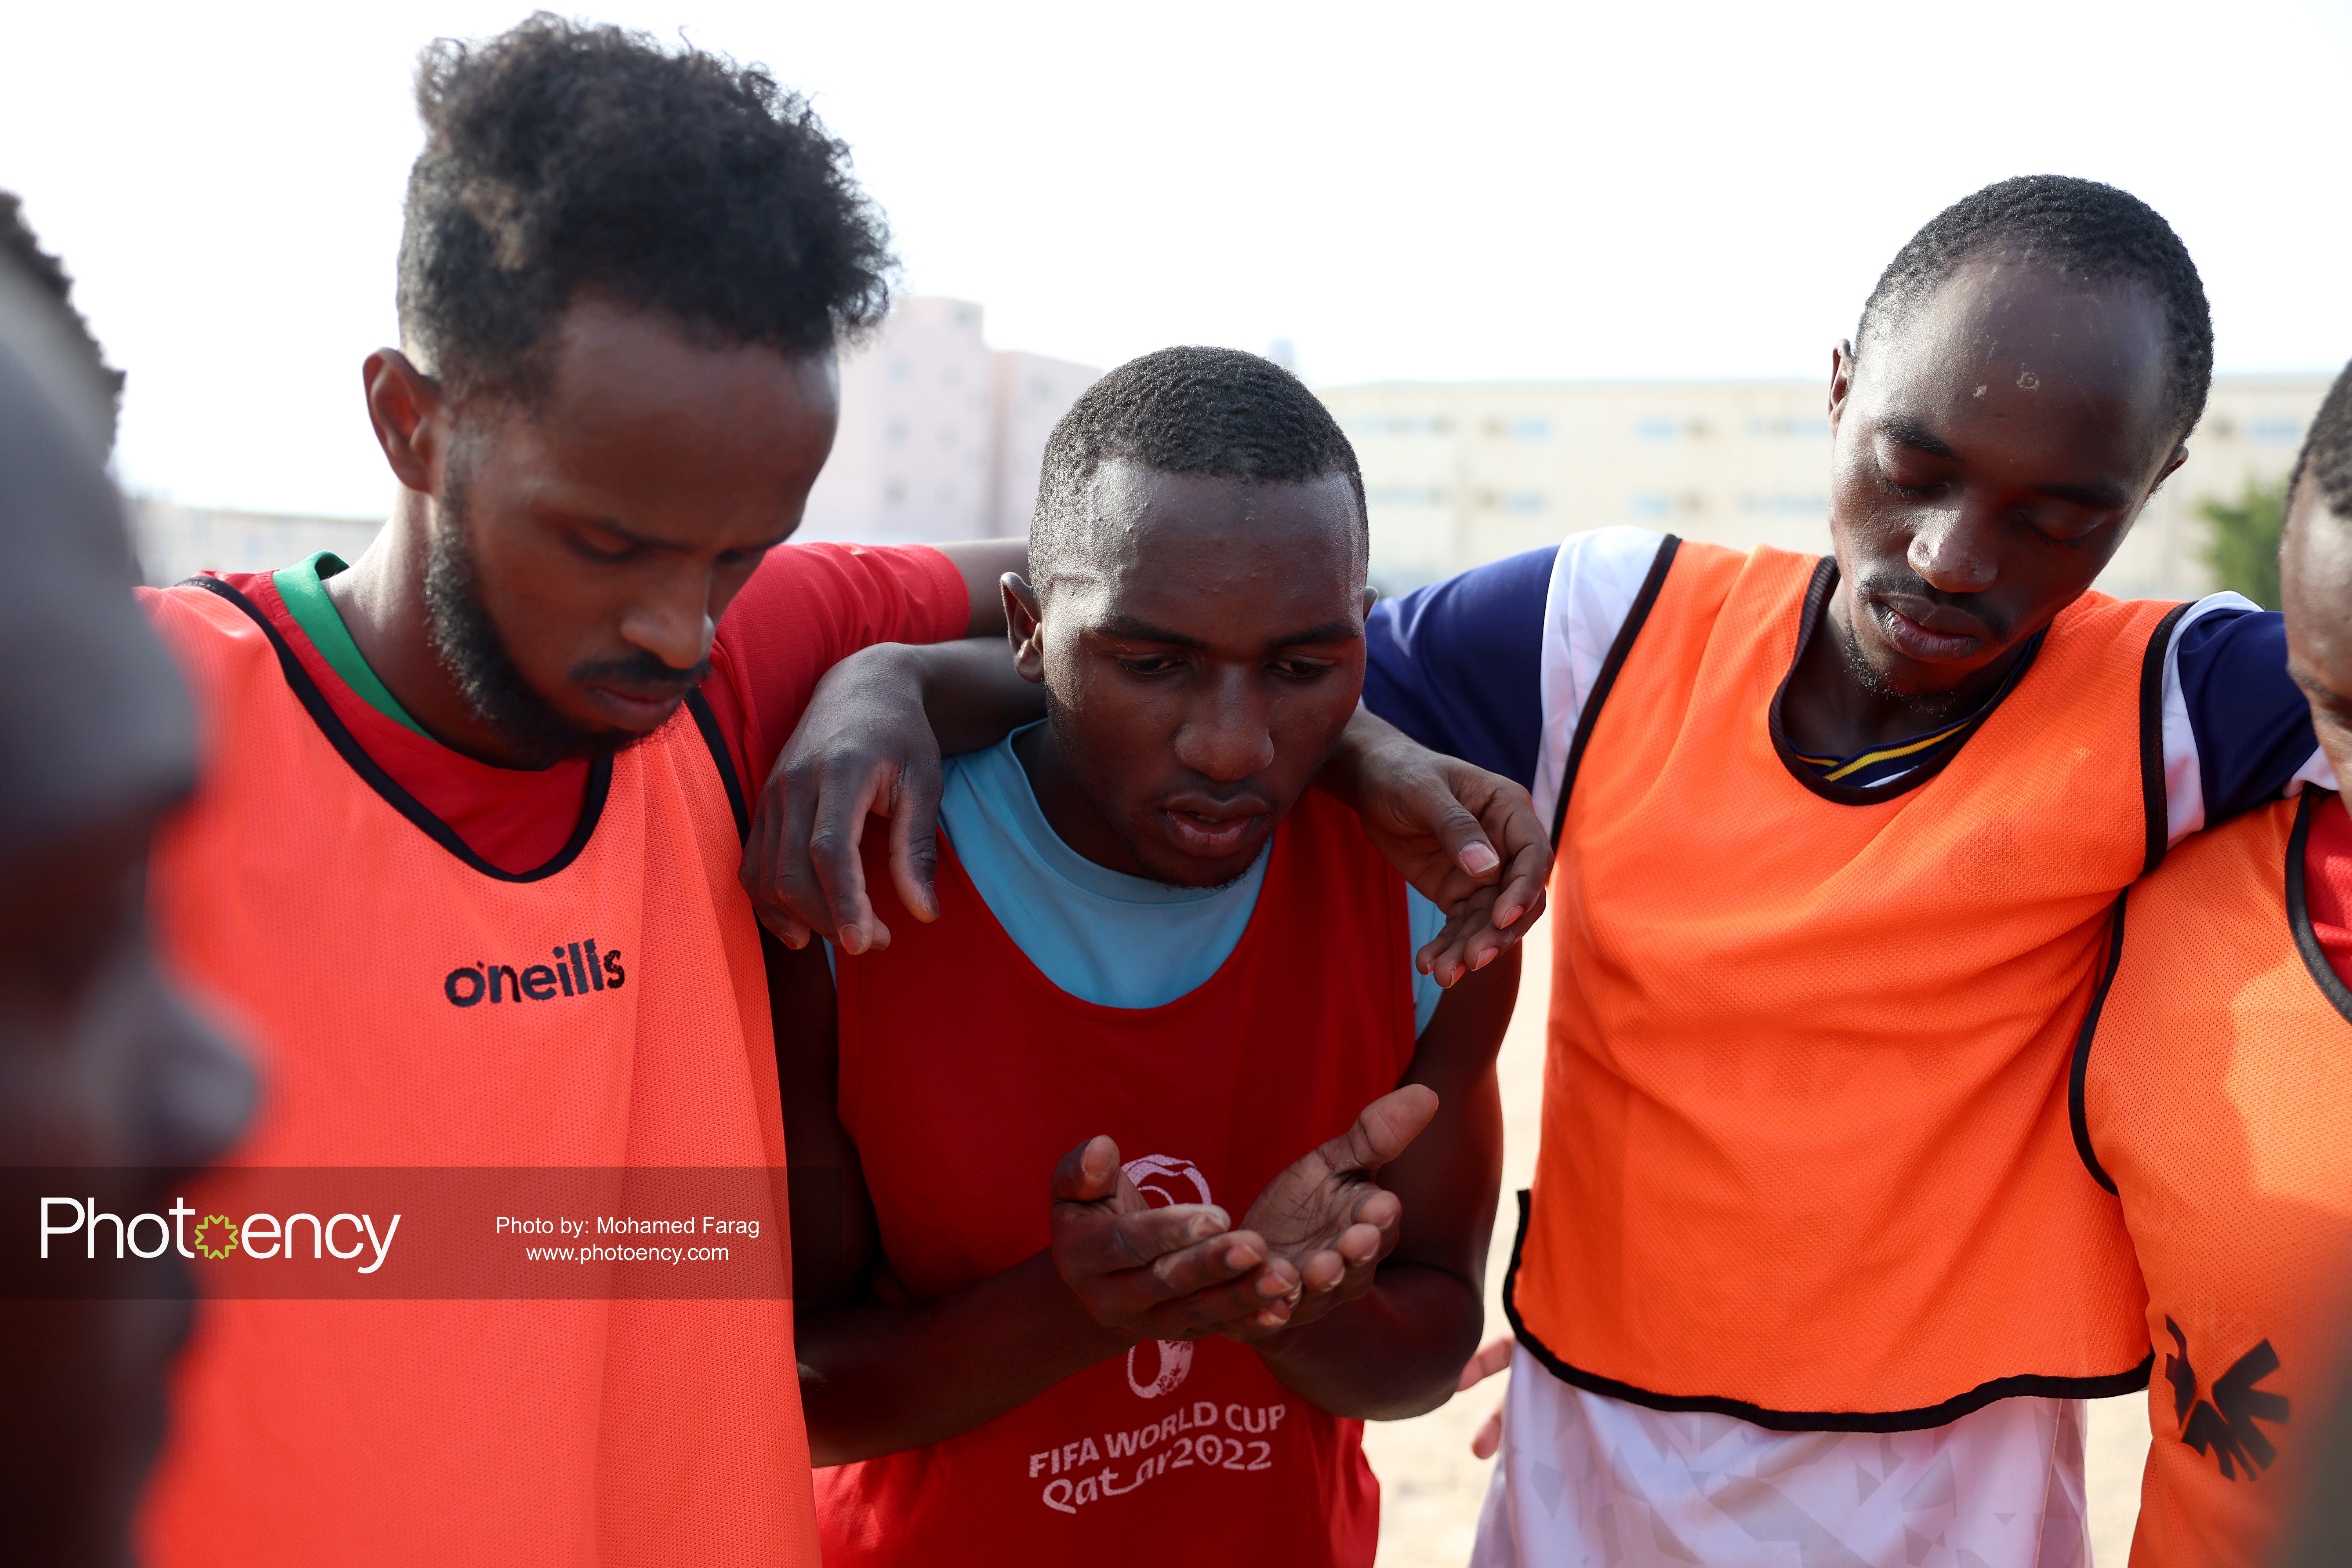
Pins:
<point x="2016" y="354"/>
<point x="1153" y="545"/>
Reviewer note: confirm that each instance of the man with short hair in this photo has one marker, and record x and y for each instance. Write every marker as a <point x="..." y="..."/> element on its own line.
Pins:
<point x="110" y="1089"/>
<point x="1165" y="962"/>
<point x="2212" y="1093"/>
<point x="1837" y="842"/>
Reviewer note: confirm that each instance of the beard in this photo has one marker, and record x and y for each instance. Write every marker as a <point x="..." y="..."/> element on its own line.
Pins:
<point x="1933" y="708"/>
<point x="467" y="642"/>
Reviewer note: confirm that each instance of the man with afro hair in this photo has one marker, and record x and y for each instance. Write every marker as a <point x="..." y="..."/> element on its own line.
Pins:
<point x="470" y="873"/>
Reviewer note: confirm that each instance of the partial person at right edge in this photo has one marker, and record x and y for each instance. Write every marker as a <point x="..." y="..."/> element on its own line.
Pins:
<point x="2212" y="1093"/>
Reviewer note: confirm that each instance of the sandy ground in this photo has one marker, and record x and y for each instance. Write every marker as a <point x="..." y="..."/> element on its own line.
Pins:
<point x="1430" y="1489"/>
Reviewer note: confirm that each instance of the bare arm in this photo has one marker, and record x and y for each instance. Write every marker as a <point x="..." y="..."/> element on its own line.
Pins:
<point x="1439" y="821"/>
<point x="1398" y="1348"/>
<point x="876" y="1376"/>
<point x="985" y="562"/>
<point x="870" y="743"/>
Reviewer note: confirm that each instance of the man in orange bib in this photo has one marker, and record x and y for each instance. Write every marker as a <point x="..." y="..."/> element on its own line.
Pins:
<point x="471" y="873"/>
<point x="1809" y="1266"/>
<point x="1164" y="971"/>
<point x="2212" y="1093"/>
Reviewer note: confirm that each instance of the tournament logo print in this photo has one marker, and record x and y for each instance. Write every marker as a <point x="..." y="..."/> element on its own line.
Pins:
<point x="1163" y="1180"/>
<point x="2222" y="1423"/>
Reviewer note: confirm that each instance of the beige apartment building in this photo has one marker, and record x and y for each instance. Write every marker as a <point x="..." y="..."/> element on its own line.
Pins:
<point x="1462" y="473"/>
<point x="941" y="436"/>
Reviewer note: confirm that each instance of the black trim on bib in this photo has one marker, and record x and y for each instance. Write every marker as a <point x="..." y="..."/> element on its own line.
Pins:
<point x="1643" y="602"/>
<point x="2298" y="910"/>
<point x="2027" y="1385"/>
<point x="708" y="722"/>
<point x="2151" y="738"/>
<point x="2077" y="1113"/>
<point x="1809" y="622"/>
<point x="322" y="713"/>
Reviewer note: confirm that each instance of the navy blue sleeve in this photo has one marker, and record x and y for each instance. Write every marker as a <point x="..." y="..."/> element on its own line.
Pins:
<point x="1458" y="665"/>
<point x="2252" y="725"/>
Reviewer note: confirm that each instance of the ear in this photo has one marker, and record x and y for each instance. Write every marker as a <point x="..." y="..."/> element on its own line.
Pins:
<point x="1371" y="597"/>
<point x="1841" y="382"/>
<point x="1025" y="626"/>
<point x="2180" y="455"/>
<point x="410" y="420"/>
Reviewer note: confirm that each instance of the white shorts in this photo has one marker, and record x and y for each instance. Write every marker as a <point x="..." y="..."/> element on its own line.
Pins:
<point x="1586" y="1479"/>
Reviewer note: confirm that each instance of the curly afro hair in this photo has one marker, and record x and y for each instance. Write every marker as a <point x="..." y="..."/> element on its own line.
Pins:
<point x="1217" y="412"/>
<point x="2086" y="230"/>
<point x="20" y="245"/>
<point x="2326" y="456"/>
<point x="561" y="157"/>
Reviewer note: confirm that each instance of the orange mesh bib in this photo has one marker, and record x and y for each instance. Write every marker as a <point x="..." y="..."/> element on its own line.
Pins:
<point x="304" y="898"/>
<point x="2216" y="1097"/>
<point x="1806" y="1158"/>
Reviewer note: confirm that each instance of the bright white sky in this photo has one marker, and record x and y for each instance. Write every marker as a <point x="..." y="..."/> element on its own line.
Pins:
<point x="1429" y="190"/>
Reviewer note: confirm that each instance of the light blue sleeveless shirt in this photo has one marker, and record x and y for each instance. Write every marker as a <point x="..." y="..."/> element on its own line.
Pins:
<point x="1101" y="935"/>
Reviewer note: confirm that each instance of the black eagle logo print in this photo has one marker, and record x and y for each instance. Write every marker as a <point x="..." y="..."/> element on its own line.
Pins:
<point x="2224" y="1424"/>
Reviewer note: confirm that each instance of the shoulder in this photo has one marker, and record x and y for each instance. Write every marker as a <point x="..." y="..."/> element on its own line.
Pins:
<point x="202" y="625"/>
<point x="2232" y="728"/>
<point x="1463" y="666"/>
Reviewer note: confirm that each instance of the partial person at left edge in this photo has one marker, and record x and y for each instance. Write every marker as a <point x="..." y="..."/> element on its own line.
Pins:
<point x="101" y="1065"/>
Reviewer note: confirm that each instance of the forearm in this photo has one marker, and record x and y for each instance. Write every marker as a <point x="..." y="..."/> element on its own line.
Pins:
<point x="973" y="696"/>
<point x="878" y="1379"/>
<point x="985" y="562"/>
<point x="1394" y="1351"/>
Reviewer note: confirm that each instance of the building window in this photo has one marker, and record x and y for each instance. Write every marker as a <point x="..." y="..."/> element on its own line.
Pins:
<point x="2280" y="432"/>
<point x="1653" y="505"/>
<point x="1524" y="502"/>
<point x="1654" y="430"/>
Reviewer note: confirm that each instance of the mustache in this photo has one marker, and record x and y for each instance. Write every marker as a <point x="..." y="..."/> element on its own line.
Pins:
<point x="1882" y="585"/>
<point x="641" y="670"/>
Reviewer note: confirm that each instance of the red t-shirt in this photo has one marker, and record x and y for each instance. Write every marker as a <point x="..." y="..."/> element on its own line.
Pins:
<point x="2327" y="884"/>
<point x="806" y="607"/>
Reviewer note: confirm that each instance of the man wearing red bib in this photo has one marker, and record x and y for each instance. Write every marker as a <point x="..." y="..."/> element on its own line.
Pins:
<point x="1162" y="971"/>
<point x="2212" y="1093"/>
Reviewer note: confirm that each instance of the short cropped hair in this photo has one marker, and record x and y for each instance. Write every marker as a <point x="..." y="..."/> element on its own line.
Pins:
<point x="561" y="158"/>
<point x="2086" y="230"/>
<point x="19" y="244"/>
<point x="1219" y="413"/>
<point x="2326" y="456"/>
